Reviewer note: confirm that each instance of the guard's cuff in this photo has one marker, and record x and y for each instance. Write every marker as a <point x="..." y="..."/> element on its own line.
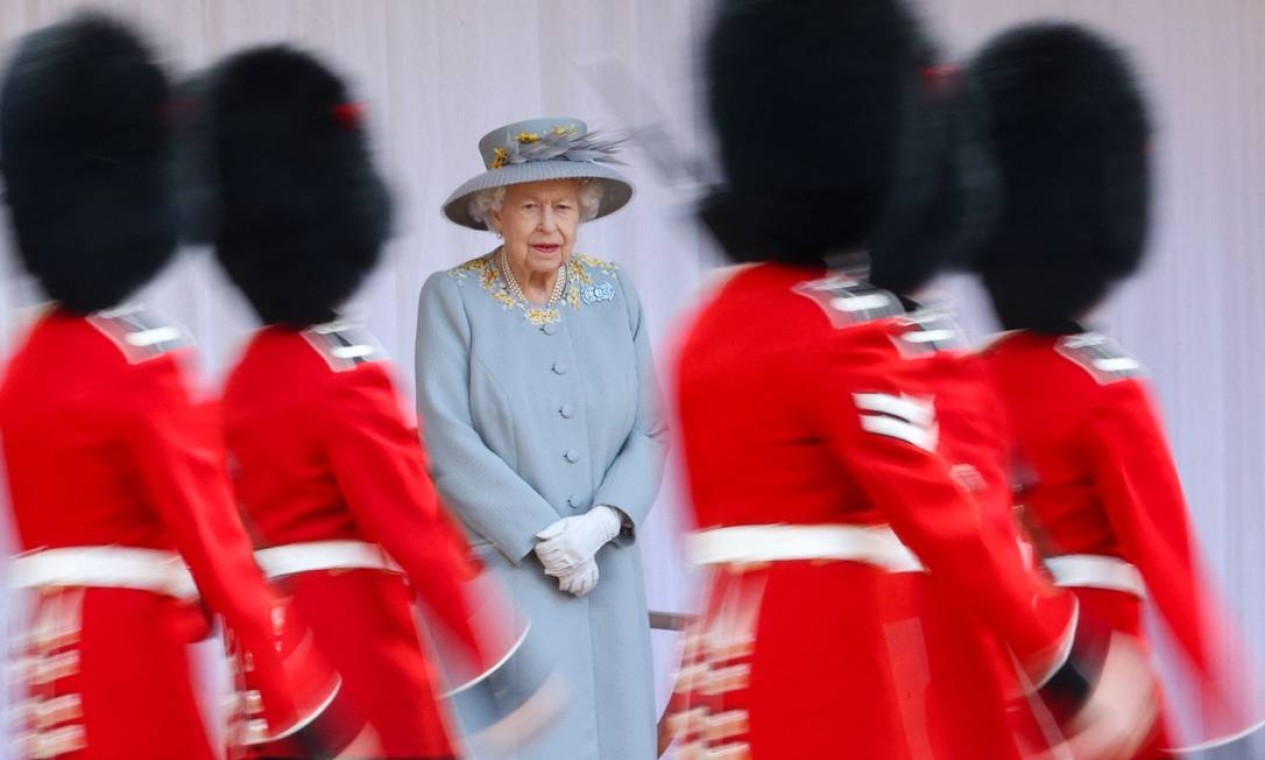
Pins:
<point x="322" y="731"/>
<point x="1066" y="691"/>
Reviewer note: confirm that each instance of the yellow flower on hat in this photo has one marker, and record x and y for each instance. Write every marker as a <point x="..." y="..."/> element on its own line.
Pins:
<point x="500" y="157"/>
<point x="527" y="137"/>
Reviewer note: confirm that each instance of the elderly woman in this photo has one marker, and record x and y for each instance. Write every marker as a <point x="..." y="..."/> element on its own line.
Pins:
<point x="536" y="386"/>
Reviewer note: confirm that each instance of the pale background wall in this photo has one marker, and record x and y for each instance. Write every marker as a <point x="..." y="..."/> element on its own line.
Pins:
<point x="437" y="74"/>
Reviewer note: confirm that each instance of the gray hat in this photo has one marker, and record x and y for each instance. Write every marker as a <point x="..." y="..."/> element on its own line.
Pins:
<point x="538" y="150"/>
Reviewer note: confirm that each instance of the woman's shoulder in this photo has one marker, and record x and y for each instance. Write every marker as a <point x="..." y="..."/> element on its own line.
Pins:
<point x="479" y="270"/>
<point x="449" y="284"/>
<point x="480" y="267"/>
<point x="592" y="264"/>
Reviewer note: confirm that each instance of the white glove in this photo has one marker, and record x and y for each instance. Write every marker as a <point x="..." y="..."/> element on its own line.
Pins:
<point x="581" y="581"/>
<point x="572" y="541"/>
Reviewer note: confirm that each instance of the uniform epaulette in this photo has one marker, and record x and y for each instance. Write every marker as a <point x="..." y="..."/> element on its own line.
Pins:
<point x="929" y="331"/>
<point x="344" y="346"/>
<point x="849" y="301"/>
<point x="1100" y="356"/>
<point x="140" y="333"/>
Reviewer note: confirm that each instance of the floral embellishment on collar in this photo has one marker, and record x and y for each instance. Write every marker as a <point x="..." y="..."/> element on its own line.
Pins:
<point x="578" y="288"/>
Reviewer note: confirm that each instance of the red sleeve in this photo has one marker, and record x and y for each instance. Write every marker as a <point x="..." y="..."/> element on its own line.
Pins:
<point x="878" y="413"/>
<point x="1140" y="489"/>
<point x="179" y="454"/>
<point x="1142" y="493"/>
<point x="380" y="466"/>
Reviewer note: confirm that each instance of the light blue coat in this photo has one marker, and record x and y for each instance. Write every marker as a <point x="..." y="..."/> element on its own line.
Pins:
<point x="532" y="415"/>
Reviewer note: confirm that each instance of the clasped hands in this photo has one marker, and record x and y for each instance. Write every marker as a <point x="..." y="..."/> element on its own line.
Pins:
<point x="568" y="548"/>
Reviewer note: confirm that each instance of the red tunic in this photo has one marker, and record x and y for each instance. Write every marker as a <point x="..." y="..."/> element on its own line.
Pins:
<point x="945" y="719"/>
<point x="104" y="447"/>
<point x="323" y="453"/>
<point x="1097" y="478"/>
<point x="797" y="406"/>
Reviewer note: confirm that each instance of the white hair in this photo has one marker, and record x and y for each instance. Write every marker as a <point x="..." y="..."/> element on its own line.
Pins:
<point x="485" y="202"/>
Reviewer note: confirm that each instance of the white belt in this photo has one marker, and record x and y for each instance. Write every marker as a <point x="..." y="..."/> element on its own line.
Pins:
<point x="876" y="546"/>
<point x="161" y="572"/>
<point x="310" y="556"/>
<point x="1096" y="571"/>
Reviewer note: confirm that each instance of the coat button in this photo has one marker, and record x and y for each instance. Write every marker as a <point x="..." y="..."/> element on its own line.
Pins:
<point x="574" y="502"/>
<point x="560" y="368"/>
<point x="567" y="411"/>
<point x="572" y="456"/>
<point x="549" y="328"/>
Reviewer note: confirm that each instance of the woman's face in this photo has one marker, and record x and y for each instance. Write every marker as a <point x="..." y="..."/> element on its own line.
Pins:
<point x="538" y="221"/>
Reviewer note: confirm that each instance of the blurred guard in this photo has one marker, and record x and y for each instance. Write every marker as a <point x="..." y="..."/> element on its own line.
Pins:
<point x="812" y="427"/>
<point x="1071" y="131"/>
<point x="332" y="479"/>
<point x="116" y="477"/>
<point x="941" y="208"/>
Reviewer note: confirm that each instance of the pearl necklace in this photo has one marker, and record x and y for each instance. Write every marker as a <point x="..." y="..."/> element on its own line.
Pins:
<point x="559" y="284"/>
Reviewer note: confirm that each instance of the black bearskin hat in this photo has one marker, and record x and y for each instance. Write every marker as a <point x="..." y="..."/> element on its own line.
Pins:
<point x="295" y="209"/>
<point x="86" y="154"/>
<point x="809" y="101"/>
<point x="1069" y="131"/>
<point x="947" y="191"/>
